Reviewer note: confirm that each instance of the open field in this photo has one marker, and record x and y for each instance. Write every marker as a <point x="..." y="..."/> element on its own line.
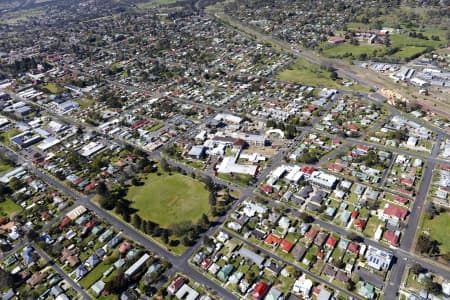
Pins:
<point x="169" y="199"/>
<point x="304" y="72"/>
<point x="154" y="3"/>
<point x="53" y="88"/>
<point x="434" y="228"/>
<point x="21" y="15"/>
<point x="9" y="209"/>
<point x="354" y="50"/>
<point x="4" y="167"/>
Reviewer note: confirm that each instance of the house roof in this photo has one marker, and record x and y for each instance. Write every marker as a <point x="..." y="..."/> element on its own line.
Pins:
<point x="391" y="237"/>
<point x="353" y="247"/>
<point x="272" y="239"/>
<point x="395" y="211"/>
<point x="311" y="234"/>
<point x="286" y="246"/>
<point x="260" y="290"/>
<point x="331" y="241"/>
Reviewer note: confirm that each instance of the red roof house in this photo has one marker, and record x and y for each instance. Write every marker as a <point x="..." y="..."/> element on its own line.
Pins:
<point x="395" y="212"/>
<point x="353" y="247"/>
<point x="286" y="246"/>
<point x="359" y="224"/>
<point x="331" y="242"/>
<point x="311" y="234"/>
<point x="391" y="237"/>
<point x="272" y="239"/>
<point x="401" y="199"/>
<point x="260" y="290"/>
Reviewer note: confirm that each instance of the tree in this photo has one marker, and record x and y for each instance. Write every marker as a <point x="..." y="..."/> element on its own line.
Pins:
<point x="32" y="235"/>
<point x="164" y="165"/>
<point x="417" y="269"/>
<point x="306" y="218"/>
<point x="354" y="237"/>
<point x="433" y="287"/>
<point x="15" y="184"/>
<point x="106" y="202"/>
<point x="6" y="280"/>
<point x="165" y="236"/>
<point x="117" y="284"/>
<point x="137" y="221"/>
<point x="102" y="189"/>
<point x="212" y="199"/>
<point x="204" y="222"/>
<point x="426" y="245"/>
<point x="333" y="75"/>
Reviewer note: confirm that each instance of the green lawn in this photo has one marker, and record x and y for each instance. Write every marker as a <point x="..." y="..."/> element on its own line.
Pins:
<point x="169" y="199"/>
<point x="306" y="73"/>
<point x="354" y="50"/>
<point x="53" y="88"/>
<point x="434" y="228"/>
<point x="408" y="51"/>
<point x="9" y="209"/>
<point x="403" y="40"/>
<point x="4" y="167"/>
<point x="154" y="3"/>
<point x="94" y="275"/>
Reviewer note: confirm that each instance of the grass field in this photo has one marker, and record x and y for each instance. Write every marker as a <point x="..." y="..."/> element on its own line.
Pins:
<point x="94" y="275"/>
<point x="434" y="228"/>
<point x="21" y="15"/>
<point x="9" y="209"/>
<point x="169" y="199"/>
<point x="154" y="3"/>
<point x="53" y="88"/>
<point x="306" y="73"/>
<point x="4" y="167"/>
<point x="355" y="50"/>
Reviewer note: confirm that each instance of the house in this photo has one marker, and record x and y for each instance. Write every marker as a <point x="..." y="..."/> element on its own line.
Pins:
<point x="260" y="290"/>
<point x="331" y="242"/>
<point x="378" y="259"/>
<point x="136" y="266"/>
<point x="359" y="224"/>
<point x="273" y="294"/>
<point x="320" y="239"/>
<point x="98" y="287"/>
<point x="353" y="248"/>
<point x="324" y="294"/>
<point x="366" y="290"/>
<point x="197" y="152"/>
<point x="311" y="234"/>
<point x="286" y="246"/>
<point x="92" y="261"/>
<point x="394" y="212"/>
<point x="186" y="292"/>
<point x="341" y="277"/>
<point x="299" y="252"/>
<point x="272" y="239"/>
<point x="225" y="272"/>
<point x="336" y="40"/>
<point x="36" y="278"/>
<point x="329" y="270"/>
<point x="392" y="237"/>
<point x="80" y="272"/>
<point x="250" y="255"/>
<point x="175" y="285"/>
<point x="303" y="286"/>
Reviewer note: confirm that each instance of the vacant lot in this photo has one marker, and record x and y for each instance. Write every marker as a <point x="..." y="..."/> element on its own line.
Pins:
<point x="434" y="228"/>
<point x="170" y="199"/>
<point x="9" y="209"/>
